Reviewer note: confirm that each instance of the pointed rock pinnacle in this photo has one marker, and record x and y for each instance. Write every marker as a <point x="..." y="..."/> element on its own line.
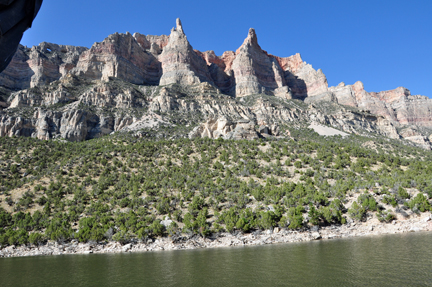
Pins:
<point x="252" y="37"/>
<point x="179" y="27"/>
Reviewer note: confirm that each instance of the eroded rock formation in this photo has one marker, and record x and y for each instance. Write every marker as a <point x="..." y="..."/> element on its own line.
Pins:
<point x="180" y="63"/>
<point x="254" y="71"/>
<point x="39" y="65"/>
<point x="51" y="91"/>
<point x="122" y="57"/>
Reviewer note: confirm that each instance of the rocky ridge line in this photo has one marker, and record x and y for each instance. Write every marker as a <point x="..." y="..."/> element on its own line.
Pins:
<point x="147" y="71"/>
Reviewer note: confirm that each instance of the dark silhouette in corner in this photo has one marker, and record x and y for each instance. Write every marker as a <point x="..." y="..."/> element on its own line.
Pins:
<point x="16" y="16"/>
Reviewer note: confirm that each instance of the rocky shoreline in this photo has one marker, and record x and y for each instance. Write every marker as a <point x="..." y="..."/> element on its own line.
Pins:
<point x="420" y="223"/>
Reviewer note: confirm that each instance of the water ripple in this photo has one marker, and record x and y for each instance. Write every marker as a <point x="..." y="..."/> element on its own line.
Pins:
<point x="392" y="260"/>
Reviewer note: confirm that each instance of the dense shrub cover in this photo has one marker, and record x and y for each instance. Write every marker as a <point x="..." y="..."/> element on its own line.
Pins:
<point x="122" y="188"/>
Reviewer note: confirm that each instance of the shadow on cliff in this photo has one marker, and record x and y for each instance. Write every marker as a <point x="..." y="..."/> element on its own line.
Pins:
<point x="298" y="86"/>
<point x="226" y="83"/>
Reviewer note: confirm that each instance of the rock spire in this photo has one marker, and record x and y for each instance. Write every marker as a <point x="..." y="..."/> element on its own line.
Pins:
<point x="180" y="63"/>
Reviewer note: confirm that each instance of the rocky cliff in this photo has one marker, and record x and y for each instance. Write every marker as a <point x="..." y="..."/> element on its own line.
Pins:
<point x="151" y="84"/>
<point x="180" y="63"/>
<point x="39" y="65"/>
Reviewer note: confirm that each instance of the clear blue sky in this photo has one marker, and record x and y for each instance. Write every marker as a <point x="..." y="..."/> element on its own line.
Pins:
<point x="384" y="44"/>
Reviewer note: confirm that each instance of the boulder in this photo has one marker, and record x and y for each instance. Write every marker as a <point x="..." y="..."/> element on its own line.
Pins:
<point x="315" y="235"/>
<point x="166" y="222"/>
<point x="224" y="128"/>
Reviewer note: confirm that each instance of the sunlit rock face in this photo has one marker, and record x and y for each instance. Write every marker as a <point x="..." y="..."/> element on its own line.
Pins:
<point x="180" y="63"/>
<point x="119" y="56"/>
<point x="255" y="72"/>
<point x="397" y="105"/>
<point x="77" y="93"/>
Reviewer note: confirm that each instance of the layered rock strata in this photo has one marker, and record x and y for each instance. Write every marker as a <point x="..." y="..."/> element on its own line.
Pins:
<point x="79" y="93"/>
<point x="119" y="56"/>
<point x="397" y="105"/>
<point x="71" y="124"/>
<point x="39" y="65"/>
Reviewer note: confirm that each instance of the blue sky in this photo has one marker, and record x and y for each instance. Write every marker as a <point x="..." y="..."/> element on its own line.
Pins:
<point x="384" y="44"/>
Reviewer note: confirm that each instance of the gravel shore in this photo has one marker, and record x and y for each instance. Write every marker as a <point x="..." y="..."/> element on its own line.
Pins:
<point x="372" y="227"/>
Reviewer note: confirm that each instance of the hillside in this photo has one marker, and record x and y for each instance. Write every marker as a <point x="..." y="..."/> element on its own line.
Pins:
<point x="142" y="139"/>
<point x="128" y="190"/>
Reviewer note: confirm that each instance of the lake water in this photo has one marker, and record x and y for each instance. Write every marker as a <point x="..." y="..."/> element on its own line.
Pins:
<point x="390" y="260"/>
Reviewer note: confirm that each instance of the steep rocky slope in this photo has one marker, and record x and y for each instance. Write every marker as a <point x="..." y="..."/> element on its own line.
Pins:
<point x="161" y="86"/>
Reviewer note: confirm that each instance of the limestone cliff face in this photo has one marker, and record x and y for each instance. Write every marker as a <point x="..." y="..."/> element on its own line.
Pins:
<point x="180" y="63"/>
<point x="303" y="80"/>
<point x="36" y="97"/>
<point x="122" y="57"/>
<point x="152" y="43"/>
<point x="248" y="71"/>
<point x="105" y="107"/>
<point x="18" y="74"/>
<point x="71" y="124"/>
<point x="254" y="71"/>
<point x="407" y="109"/>
<point x="220" y="69"/>
<point x="126" y="81"/>
<point x="39" y="65"/>
<point x="397" y="105"/>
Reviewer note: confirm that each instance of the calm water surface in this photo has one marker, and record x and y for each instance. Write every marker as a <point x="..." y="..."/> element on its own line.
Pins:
<point x="391" y="260"/>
